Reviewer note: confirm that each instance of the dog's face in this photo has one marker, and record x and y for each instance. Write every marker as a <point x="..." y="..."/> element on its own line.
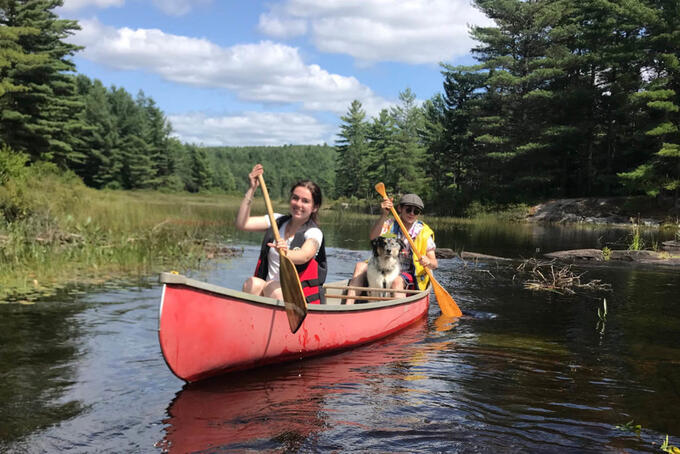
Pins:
<point x="386" y="247"/>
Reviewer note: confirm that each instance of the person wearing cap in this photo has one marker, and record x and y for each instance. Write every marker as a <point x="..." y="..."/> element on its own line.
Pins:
<point x="413" y="274"/>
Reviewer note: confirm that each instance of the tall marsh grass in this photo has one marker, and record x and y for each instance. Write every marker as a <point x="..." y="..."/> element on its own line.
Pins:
<point x="54" y="231"/>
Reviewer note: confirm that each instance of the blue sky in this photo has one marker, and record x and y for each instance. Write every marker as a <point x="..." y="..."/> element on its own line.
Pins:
<point x="270" y="73"/>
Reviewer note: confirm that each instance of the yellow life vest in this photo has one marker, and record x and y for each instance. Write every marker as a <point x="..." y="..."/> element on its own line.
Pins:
<point x="420" y="243"/>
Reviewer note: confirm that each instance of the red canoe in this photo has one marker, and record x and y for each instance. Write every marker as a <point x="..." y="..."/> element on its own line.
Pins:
<point x="206" y="330"/>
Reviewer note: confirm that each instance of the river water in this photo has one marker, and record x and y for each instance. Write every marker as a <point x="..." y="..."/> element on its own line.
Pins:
<point x="522" y="371"/>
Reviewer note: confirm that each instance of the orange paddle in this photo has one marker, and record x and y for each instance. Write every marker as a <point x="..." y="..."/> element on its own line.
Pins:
<point x="293" y="296"/>
<point x="446" y="303"/>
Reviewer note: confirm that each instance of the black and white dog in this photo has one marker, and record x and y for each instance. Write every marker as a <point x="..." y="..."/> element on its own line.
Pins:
<point x="383" y="267"/>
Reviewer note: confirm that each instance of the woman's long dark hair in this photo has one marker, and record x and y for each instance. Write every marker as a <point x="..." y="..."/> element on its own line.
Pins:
<point x="317" y="198"/>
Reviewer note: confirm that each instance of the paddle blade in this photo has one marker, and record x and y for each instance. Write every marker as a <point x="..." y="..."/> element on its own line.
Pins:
<point x="446" y="303"/>
<point x="293" y="296"/>
<point x="380" y="189"/>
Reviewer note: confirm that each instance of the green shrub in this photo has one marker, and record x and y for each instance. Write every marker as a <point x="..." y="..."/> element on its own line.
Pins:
<point x="12" y="164"/>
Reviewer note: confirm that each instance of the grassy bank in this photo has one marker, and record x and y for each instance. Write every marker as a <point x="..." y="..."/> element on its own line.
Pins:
<point x="55" y="232"/>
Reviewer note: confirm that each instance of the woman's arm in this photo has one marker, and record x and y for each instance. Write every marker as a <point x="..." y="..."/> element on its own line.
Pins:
<point x="244" y="221"/>
<point x="305" y="253"/>
<point x="429" y="260"/>
<point x="377" y="227"/>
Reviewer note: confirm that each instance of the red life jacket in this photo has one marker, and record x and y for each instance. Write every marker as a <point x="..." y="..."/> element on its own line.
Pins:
<point x="312" y="274"/>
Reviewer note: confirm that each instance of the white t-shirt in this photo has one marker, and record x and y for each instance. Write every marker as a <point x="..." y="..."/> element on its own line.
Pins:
<point x="273" y="258"/>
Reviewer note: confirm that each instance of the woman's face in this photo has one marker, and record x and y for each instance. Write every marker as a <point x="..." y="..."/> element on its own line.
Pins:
<point x="408" y="213"/>
<point x="302" y="203"/>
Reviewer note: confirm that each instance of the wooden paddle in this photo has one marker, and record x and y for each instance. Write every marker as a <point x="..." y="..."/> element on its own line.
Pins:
<point x="293" y="296"/>
<point x="446" y="303"/>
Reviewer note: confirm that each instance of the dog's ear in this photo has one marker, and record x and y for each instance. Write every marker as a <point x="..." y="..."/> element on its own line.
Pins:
<point x="375" y="243"/>
<point x="402" y="244"/>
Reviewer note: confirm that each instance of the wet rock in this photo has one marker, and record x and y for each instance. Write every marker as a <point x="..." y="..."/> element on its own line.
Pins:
<point x="671" y="246"/>
<point x="476" y="256"/>
<point x="577" y="254"/>
<point x="643" y="257"/>
<point x="445" y="253"/>
<point x="634" y="256"/>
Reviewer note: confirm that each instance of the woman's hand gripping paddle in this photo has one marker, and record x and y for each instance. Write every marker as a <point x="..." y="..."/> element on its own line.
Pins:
<point x="293" y="296"/>
<point x="446" y="303"/>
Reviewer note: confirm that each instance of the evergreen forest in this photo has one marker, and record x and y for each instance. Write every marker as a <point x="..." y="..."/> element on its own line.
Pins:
<point x="566" y="99"/>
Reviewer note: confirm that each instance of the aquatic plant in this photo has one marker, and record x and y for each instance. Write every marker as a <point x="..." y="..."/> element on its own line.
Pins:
<point x="630" y="426"/>
<point x="669" y="448"/>
<point x="636" y="243"/>
<point x="602" y="317"/>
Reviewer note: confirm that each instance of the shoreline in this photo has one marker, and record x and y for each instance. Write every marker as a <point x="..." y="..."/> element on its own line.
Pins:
<point x="615" y="211"/>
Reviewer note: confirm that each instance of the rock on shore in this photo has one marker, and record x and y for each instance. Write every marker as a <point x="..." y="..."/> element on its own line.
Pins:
<point x="597" y="255"/>
<point x="609" y="210"/>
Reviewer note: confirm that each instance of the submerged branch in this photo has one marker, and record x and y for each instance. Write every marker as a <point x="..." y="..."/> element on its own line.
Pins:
<point x="545" y="276"/>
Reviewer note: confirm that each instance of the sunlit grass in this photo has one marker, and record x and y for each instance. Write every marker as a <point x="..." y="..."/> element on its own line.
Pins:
<point x="73" y="234"/>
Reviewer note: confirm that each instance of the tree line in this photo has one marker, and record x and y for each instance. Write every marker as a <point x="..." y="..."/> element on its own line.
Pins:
<point x="566" y="99"/>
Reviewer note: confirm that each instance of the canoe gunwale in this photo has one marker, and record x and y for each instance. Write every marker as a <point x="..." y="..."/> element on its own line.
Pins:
<point x="178" y="279"/>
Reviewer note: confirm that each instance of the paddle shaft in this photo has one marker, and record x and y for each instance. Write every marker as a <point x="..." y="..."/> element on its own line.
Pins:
<point x="270" y="211"/>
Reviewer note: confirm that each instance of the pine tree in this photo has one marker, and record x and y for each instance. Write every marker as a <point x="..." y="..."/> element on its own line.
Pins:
<point x="155" y="131"/>
<point x="133" y="152"/>
<point x="659" y="104"/>
<point x="41" y="118"/>
<point x="352" y="145"/>
<point x="102" y="165"/>
<point x="381" y="148"/>
<point x="200" y="176"/>
<point x="408" y="160"/>
<point x="12" y="55"/>
<point x="515" y="57"/>
<point x="454" y="161"/>
<point x="605" y="68"/>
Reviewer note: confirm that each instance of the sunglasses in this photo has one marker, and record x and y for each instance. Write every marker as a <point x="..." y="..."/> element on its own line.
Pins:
<point x="412" y="210"/>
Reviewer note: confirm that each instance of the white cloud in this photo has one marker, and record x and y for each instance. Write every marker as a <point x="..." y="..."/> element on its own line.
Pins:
<point x="409" y="31"/>
<point x="178" y="7"/>
<point x="74" y="5"/>
<point x="281" y="28"/>
<point x="170" y="7"/>
<point x="264" y="72"/>
<point x="250" y="128"/>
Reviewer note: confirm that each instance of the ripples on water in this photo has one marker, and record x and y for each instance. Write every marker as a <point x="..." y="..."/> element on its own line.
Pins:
<point x="521" y="372"/>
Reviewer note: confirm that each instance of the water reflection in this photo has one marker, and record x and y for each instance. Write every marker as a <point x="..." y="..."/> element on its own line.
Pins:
<point x="279" y="407"/>
<point x="39" y="347"/>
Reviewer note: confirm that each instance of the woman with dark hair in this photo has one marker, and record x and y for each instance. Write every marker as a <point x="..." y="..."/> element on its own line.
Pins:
<point x="301" y="240"/>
